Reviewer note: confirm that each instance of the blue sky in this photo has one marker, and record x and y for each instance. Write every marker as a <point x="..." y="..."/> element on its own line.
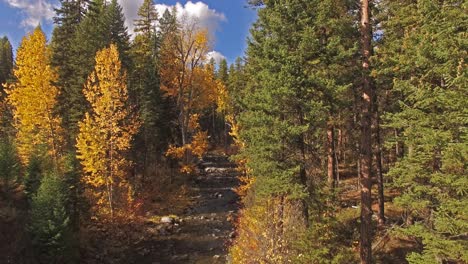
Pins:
<point x="229" y="19"/>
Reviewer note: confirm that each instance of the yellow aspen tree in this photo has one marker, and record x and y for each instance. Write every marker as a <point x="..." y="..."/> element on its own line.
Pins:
<point x="33" y="98"/>
<point x="106" y="133"/>
<point x="191" y="82"/>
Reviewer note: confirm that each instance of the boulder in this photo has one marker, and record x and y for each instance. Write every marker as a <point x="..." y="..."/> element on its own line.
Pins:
<point x="167" y="220"/>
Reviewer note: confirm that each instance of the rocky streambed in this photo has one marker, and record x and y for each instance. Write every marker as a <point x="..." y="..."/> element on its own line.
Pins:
<point x="200" y="235"/>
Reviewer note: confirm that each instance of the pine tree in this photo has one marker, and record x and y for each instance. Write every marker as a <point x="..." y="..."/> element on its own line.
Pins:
<point x="297" y="81"/>
<point x="33" y="176"/>
<point x="429" y="77"/>
<point x="168" y="23"/>
<point x="367" y="98"/>
<point x="148" y="15"/>
<point x="10" y="165"/>
<point x="222" y="73"/>
<point x="6" y="61"/>
<point x="50" y="223"/>
<point x="67" y="19"/>
<point x="273" y="124"/>
<point x="221" y="107"/>
<point x="102" y="25"/>
<point x="145" y="86"/>
<point x="35" y="120"/>
<point x="117" y="33"/>
<point x="106" y="132"/>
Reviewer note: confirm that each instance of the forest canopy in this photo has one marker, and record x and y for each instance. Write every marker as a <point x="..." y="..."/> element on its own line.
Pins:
<point x="339" y="136"/>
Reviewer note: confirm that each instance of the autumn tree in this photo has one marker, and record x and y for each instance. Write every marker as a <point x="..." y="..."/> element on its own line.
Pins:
<point x="106" y="132"/>
<point x="189" y="80"/>
<point x="36" y="123"/>
<point x="102" y="24"/>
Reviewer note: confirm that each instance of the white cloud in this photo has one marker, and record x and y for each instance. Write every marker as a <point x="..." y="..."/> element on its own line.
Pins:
<point x="35" y="11"/>
<point x="217" y="56"/>
<point x="200" y="11"/>
<point x="130" y="9"/>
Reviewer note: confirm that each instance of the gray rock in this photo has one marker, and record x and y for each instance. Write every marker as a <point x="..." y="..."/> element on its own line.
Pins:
<point x="180" y="257"/>
<point x="167" y="220"/>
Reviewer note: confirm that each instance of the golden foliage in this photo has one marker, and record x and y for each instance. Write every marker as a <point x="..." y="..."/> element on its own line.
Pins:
<point x="33" y="98"/>
<point x="193" y="122"/>
<point x="265" y="229"/>
<point x="246" y="183"/>
<point x="176" y="152"/>
<point x="247" y="247"/>
<point x="184" y="75"/>
<point x="192" y="84"/>
<point x="197" y="147"/>
<point x="199" y="144"/>
<point x="107" y="131"/>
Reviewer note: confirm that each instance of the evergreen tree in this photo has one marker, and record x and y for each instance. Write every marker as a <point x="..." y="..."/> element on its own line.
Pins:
<point x="222" y="73"/>
<point x="6" y="61"/>
<point x="33" y="176"/>
<point x="299" y="77"/>
<point x="9" y="165"/>
<point x="168" y="23"/>
<point x="145" y="86"/>
<point x="102" y="25"/>
<point x="365" y="153"/>
<point x="117" y="34"/>
<point x="236" y="85"/>
<point x="148" y="15"/>
<point x="429" y="75"/>
<point x="75" y="203"/>
<point x="67" y="19"/>
<point x="273" y="123"/>
<point x="50" y="223"/>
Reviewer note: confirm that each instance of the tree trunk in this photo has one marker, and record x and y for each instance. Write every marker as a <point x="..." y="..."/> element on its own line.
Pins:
<point x="378" y="165"/>
<point x="332" y="175"/>
<point x="366" y="137"/>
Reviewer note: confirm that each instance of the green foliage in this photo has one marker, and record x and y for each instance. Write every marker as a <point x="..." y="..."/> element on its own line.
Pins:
<point x="9" y="164"/>
<point x="33" y="176"/>
<point x="326" y="241"/>
<point x="116" y="31"/>
<point x="298" y="74"/>
<point x="67" y="19"/>
<point x="429" y="74"/>
<point x="6" y="61"/>
<point x="102" y="24"/>
<point x="301" y="64"/>
<point x="145" y="87"/>
<point x="50" y="223"/>
<point x="75" y="203"/>
<point x="222" y="73"/>
<point x="147" y="17"/>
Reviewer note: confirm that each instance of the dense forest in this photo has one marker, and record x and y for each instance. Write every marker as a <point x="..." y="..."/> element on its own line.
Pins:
<point x="345" y="123"/>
